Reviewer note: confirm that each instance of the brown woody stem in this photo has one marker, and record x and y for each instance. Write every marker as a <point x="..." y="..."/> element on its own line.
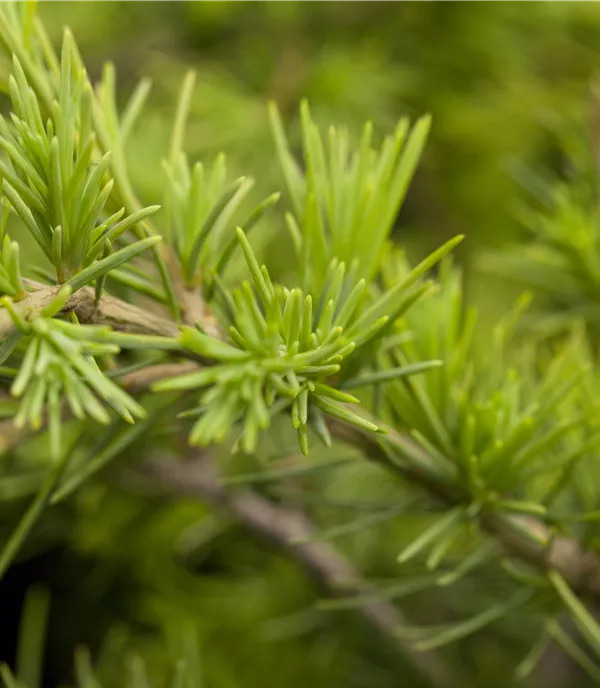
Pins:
<point x="285" y="528"/>
<point x="118" y="314"/>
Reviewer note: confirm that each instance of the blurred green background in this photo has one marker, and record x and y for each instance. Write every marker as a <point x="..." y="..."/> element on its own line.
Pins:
<point x="506" y="83"/>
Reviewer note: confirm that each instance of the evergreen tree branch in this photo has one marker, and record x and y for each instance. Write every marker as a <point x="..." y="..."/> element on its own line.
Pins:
<point x="284" y="528"/>
<point x="520" y="536"/>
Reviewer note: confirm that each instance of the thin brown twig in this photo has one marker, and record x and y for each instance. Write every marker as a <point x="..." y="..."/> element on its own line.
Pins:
<point x="290" y="531"/>
<point x="118" y="314"/>
<point x="143" y="379"/>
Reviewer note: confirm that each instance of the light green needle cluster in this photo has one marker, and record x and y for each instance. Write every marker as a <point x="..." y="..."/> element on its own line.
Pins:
<point x="278" y="350"/>
<point x="489" y="419"/>
<point x="283" y="349"/>
<point x="59" y="363"/>
<point x="11" y="280"/>
<point x="56" y="181"/>
<point x="201" y="206"/>
<point x="346" y="203"/>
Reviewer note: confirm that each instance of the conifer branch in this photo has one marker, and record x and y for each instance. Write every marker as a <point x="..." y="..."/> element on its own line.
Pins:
<point x="480" y="438"/>
<point x="576" y="565"/>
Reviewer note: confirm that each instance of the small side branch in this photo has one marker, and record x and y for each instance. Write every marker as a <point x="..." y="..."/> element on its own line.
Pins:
<point x="526" y="538"/>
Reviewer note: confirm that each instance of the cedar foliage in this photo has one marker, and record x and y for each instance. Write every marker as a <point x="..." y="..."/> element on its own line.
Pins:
<point x="168" y="396"/>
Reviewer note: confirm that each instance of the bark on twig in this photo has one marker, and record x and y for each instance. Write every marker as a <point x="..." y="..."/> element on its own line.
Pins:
<point x="193" y="307"/>
<point x="142" y="380"/>
<point x="118" y="314"/>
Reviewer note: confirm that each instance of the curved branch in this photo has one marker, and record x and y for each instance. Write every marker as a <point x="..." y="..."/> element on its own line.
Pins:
<point x="283" y="528"/>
